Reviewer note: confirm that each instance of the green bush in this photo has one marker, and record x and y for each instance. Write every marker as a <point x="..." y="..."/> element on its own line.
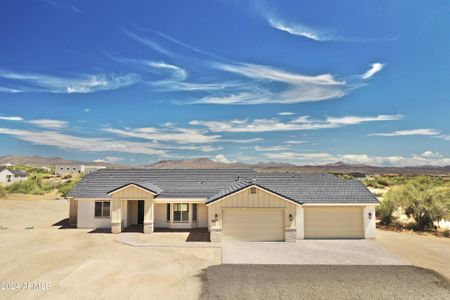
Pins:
<point x="23" y="187"/>
<point x="388" y="206"/>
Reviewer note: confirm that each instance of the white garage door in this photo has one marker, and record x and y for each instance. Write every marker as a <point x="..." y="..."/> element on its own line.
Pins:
<point x="333" y="222"/>
<point x="253" y="225"/>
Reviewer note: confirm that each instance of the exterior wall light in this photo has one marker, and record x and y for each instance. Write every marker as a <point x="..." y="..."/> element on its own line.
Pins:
<point x="370" y="216"/>
<point x="290" y="217"/>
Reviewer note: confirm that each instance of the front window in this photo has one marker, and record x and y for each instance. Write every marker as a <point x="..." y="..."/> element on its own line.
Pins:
<point x="102" y="209"/>
<point x="181" y="212"/>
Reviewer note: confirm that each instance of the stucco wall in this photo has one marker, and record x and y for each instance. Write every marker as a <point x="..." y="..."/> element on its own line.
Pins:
<point x="160" y="215"/>
<point x="244" y="199"/>
<point x="86" y="216"/>
<point x="4" y="180"/>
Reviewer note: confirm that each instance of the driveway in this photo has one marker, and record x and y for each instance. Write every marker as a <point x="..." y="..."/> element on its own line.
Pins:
<point x="310" y="252"/>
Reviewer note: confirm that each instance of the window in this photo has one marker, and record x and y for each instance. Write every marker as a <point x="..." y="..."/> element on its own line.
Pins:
<point x="194" y="212"/>
<point x="102" y="209"/>
<point x="168" y="212"/>
<point x="181" y="212"/>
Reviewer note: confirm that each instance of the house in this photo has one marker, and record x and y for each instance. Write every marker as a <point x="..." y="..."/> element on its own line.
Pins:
<point x="241" y="205"/>
<point x="9" y="176"/>
<point x="62" y="170"/>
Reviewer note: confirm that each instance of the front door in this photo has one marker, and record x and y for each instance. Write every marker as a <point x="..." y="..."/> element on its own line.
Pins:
<point x="141" y="212"/>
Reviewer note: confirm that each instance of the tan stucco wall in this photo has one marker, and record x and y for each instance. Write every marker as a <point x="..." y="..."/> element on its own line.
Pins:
<point x="244" y="199"/>
<point x="86" y="216"/>
<point x="161" y="216"/>
<point x="73" y="211"/>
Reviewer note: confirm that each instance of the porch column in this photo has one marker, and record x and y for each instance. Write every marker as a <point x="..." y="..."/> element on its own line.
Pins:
<point x="300" y="220"/>
<point x="148" y="215"/>
<point x="116" y="216"/>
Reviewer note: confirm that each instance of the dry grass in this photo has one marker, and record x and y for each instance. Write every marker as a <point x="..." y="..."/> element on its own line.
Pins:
<point x="26" y="197"/>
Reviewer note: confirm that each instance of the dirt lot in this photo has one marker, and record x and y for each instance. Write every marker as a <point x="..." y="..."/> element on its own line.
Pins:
<point x="83" y="265"/>
<point x="424" y="251"/>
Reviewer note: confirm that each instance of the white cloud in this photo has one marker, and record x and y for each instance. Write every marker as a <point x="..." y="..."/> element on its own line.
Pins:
<point x="426" y="158"/>
<point x="295" y="142"/>
<point x="178" y="73"/>
<point x="300" y="123"/>
<point x="286" y="113"/>
<point x="444" y="137"/>
<point x="269" y="73"/>
<point x="221" y="159"/>
<point x="270" y="148"/>
<point x="109" y="159"/>
<point x="171" y="134"/>
<point x="148" y="43"/>
<point x="11" y="118"/>
<point x="78" y="84"/>
<point x="50" y="124"/>
<point x="300" y="30"/>
<point x="408" y="132"/>
<point x="87" y="110"/>
<point x="70" y="142"/>
<point x="9" y="90"/>
<point x="374" y="68"/>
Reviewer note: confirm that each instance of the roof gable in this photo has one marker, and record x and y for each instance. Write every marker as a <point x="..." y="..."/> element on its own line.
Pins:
<point x="145" y="186"/>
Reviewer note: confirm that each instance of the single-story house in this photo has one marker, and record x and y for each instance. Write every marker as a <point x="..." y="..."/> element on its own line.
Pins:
<point x="9" y="176"/>
<point x="241" y="205"/>
<point x="62" y="170"/>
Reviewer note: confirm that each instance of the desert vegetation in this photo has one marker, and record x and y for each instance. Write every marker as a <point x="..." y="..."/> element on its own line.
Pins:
<point x="40" y="181"/>
<point x="423" y="200"/>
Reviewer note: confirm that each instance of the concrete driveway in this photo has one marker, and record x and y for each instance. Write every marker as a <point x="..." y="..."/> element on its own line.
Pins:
<point x="310" y="252"/>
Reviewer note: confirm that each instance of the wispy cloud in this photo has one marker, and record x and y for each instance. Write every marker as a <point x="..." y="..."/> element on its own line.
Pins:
<point x="9" y="90"/>
<point x="109" y="159"/>
<point x="71" y="142"/>
<point x="171" y="134"/>
<point x="374" y="68"/>
<point x="49" y="124"/>
<point x="11" y="118"/>
<point x="79" y="84"/>
<point x="301" y="30"/>
<point x="425" y="158"/>
<point x="270" y="148"/>
<point x="408" y="132"/>
<point x="300" y="123"/>
<point x="148" y="43"/>
<point x="295" y="142"/>
<point x="286" y="113"/>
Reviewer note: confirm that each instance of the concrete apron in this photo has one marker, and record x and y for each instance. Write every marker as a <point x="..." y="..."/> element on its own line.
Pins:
<point x="310" y="252"/>
<point x="139" y="240"/>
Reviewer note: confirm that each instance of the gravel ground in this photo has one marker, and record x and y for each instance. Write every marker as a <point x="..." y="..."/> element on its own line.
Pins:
<point x="322" y="282"/>
<point x="310" y="252"/>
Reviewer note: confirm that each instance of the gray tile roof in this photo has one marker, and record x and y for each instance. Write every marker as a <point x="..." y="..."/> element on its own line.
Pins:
<point x="215" y="184"/>
<point x="15" y="172"/>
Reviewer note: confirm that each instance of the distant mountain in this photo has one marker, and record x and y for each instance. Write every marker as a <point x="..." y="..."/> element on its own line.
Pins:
<point x="206" y="163"/>
<point x="50" y="161"/>
<point x="339" y="167"/>
<point x="196" y="163"/>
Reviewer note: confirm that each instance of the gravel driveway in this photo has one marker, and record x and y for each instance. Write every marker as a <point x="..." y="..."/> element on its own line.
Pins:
<point x="310" y="252"/>
<point x="322" y="282"/>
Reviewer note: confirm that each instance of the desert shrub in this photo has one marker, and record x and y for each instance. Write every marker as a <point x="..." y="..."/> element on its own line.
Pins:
<point x="371" y="182"/>
<point x="382" y="181"/>
<point x="24" y="187"/>
<point x="385" y="211"/>
<point x="3" y="191"/>
<point x="423" y="200"/>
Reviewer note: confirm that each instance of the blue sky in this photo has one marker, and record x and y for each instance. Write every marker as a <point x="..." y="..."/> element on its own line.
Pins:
<point x="138" y="81"/>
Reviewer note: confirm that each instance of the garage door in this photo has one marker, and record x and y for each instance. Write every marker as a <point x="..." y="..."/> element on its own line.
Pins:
<point x="253" y="225"/>
<point x="333" y="222"/>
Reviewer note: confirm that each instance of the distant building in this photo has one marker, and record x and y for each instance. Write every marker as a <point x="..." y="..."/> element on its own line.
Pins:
<point x="8" y="176"/>
<point x="62" y="170"/>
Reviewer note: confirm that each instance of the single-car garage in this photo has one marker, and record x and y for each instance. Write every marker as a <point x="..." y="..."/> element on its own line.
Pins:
<point x="328" y="222"/>
<point x="253" y="224"/>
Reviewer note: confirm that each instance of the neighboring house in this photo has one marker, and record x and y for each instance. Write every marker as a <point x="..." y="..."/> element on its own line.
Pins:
<point x="8" y="176"/>
<point x="238" y="205"/>
<point x="62" y="170"/>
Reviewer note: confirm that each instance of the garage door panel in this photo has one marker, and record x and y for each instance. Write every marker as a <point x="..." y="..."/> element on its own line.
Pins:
<point x="333" y="222"/>
<point x="253" y="225"/>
